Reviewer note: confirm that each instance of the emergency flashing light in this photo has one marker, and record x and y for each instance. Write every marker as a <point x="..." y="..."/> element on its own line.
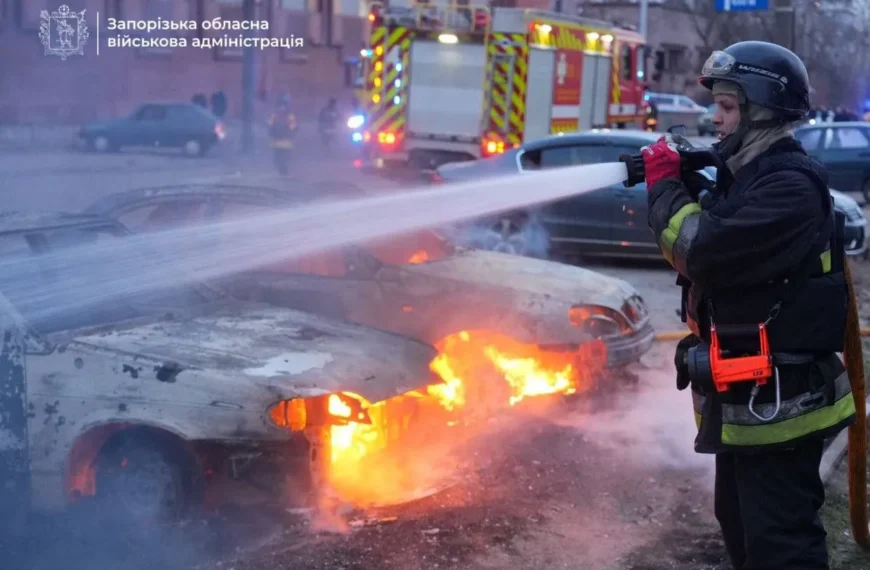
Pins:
<point x="607" y="38"/>
<point x="387" y="138"/>
<point x="544" y="28"/>
<point x="493" y="147"/>
<point x="377" y="81"/>
<point x="397" y="100"/>
<point x="448" y="38"/>
<point x="399" y="67"/>
<point x="376" y="98"/>
<point x="397" y="83"/>
<point x="592" y="36"/>
<point x="356" y="137"/>
<point x="355" y="122"/>
<point x="367" y="136"/>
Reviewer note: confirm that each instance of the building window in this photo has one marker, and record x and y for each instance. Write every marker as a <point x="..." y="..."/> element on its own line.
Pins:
<point x="675" y="59"/>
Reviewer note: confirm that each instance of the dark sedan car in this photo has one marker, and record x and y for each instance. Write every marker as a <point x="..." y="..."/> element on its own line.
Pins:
<point x="844" y="149"/>
<point x="609" y="222"/>
<point x="183" y="126"/>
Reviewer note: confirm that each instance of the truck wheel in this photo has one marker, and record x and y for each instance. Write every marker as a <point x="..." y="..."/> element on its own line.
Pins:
<point x="142" y="477"/>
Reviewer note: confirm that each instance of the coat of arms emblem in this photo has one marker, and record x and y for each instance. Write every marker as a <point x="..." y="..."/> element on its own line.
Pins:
<point x="63" y="32"/>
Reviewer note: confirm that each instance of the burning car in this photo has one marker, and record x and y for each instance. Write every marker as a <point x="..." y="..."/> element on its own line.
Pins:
<point x="143" y="396"/>
<point x="418" y="285"/>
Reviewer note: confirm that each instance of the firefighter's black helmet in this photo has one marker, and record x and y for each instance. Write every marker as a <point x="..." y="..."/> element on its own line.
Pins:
<point x="770" y="75"/>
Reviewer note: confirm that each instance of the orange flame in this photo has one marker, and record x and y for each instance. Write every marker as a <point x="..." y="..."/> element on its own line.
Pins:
<point x="419" y="257"/>
<point x="383" y="462"/>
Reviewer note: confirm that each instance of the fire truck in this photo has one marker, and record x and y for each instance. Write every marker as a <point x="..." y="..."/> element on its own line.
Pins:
<point x="461" y="82"/>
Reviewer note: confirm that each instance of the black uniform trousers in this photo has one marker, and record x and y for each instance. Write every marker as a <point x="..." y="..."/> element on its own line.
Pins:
<point x="768" y="507"/>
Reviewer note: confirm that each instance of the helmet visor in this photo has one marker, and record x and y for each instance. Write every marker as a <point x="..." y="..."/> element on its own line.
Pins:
<point x="719" y="63"/>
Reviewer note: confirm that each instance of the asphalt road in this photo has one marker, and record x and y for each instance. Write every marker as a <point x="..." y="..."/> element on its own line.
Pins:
<point x="594" y="484"/>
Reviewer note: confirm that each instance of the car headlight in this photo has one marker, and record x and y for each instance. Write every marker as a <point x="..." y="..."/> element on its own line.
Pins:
<point x="599" y="322"/>
<point x="355" y="122"/>
<point x="289" y="414"/>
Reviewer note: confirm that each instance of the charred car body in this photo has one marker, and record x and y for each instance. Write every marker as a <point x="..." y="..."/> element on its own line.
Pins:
<point x="172" y="384"/>
<point x="418" y="285"/>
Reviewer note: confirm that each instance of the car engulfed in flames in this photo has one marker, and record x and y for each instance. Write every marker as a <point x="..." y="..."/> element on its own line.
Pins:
<point x="391" y="451"/>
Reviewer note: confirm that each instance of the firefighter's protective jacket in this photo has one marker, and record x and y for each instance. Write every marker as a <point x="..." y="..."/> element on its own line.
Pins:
<point x="282" y="127"/>
<point x="766" y="246"/>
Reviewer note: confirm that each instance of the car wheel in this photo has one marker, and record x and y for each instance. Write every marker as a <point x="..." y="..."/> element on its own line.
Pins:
<point x="101" y="143"/>
<point x="142" y="478"/>
<point x="194" y="148"/>
<point x="507" y="236"/>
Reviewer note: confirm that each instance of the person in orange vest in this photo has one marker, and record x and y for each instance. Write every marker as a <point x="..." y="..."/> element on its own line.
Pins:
<point x="282" y="130"/>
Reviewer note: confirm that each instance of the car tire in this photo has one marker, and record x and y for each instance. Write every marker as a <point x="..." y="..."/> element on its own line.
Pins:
<point x="526" y="239"/>
<point x="194" y="148"/>
<point x="101" y="143"/>
<point x="143" y="477"/>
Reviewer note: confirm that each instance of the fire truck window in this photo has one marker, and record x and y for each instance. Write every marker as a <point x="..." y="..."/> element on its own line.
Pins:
<point x="625" y="64"/>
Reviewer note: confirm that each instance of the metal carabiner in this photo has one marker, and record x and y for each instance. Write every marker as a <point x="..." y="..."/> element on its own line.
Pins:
<point x="754" y="393"/>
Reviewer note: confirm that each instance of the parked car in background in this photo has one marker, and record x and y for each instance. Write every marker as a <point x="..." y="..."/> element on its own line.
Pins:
<point x="675" y="109"/>
<point x="674" y="100"/>
<point x="705" y="122"/>
<point x="609" y="222"/>
<point x="844" y="149"/>
<point x="418" y="284"/>
<point x="184" y="126"/>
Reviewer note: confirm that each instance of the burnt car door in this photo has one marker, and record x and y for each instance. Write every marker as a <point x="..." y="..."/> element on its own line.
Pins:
<point x="846" y="155"/>
<point x="580" y="223"/>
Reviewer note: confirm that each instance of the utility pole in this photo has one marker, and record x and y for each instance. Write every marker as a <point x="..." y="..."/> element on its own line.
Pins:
<point x="784" y="23"/>
<point x="642" y="19"/>
<point x="249" y="13"/>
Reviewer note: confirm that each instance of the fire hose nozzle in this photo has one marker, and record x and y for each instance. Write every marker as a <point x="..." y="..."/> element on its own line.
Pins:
<point x="634" y="168"/>
<point x="693" y="159"/>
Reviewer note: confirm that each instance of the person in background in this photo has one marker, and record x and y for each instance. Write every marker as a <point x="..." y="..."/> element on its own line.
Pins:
<point x="199" y="99"/>
<point x="219" y="104"/>
<point x="282" y="131"/>
<point x="328" y="121"/>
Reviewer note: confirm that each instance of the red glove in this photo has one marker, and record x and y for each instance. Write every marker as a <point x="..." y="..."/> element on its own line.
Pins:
<point x="660" y="160"/>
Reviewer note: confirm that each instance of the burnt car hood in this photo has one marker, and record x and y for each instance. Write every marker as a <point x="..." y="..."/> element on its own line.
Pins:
<point x="281" y="351"/>
<point x="558" y="281"/>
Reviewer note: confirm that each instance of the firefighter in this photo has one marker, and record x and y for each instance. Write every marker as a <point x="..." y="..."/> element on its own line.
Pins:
<point x="282" y="129"/>
<point x="762" y="246"/>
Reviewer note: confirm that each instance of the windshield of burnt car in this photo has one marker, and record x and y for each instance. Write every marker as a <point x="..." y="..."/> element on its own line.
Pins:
<point x="78" y="269"/>
<point x="410" y="248"/>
